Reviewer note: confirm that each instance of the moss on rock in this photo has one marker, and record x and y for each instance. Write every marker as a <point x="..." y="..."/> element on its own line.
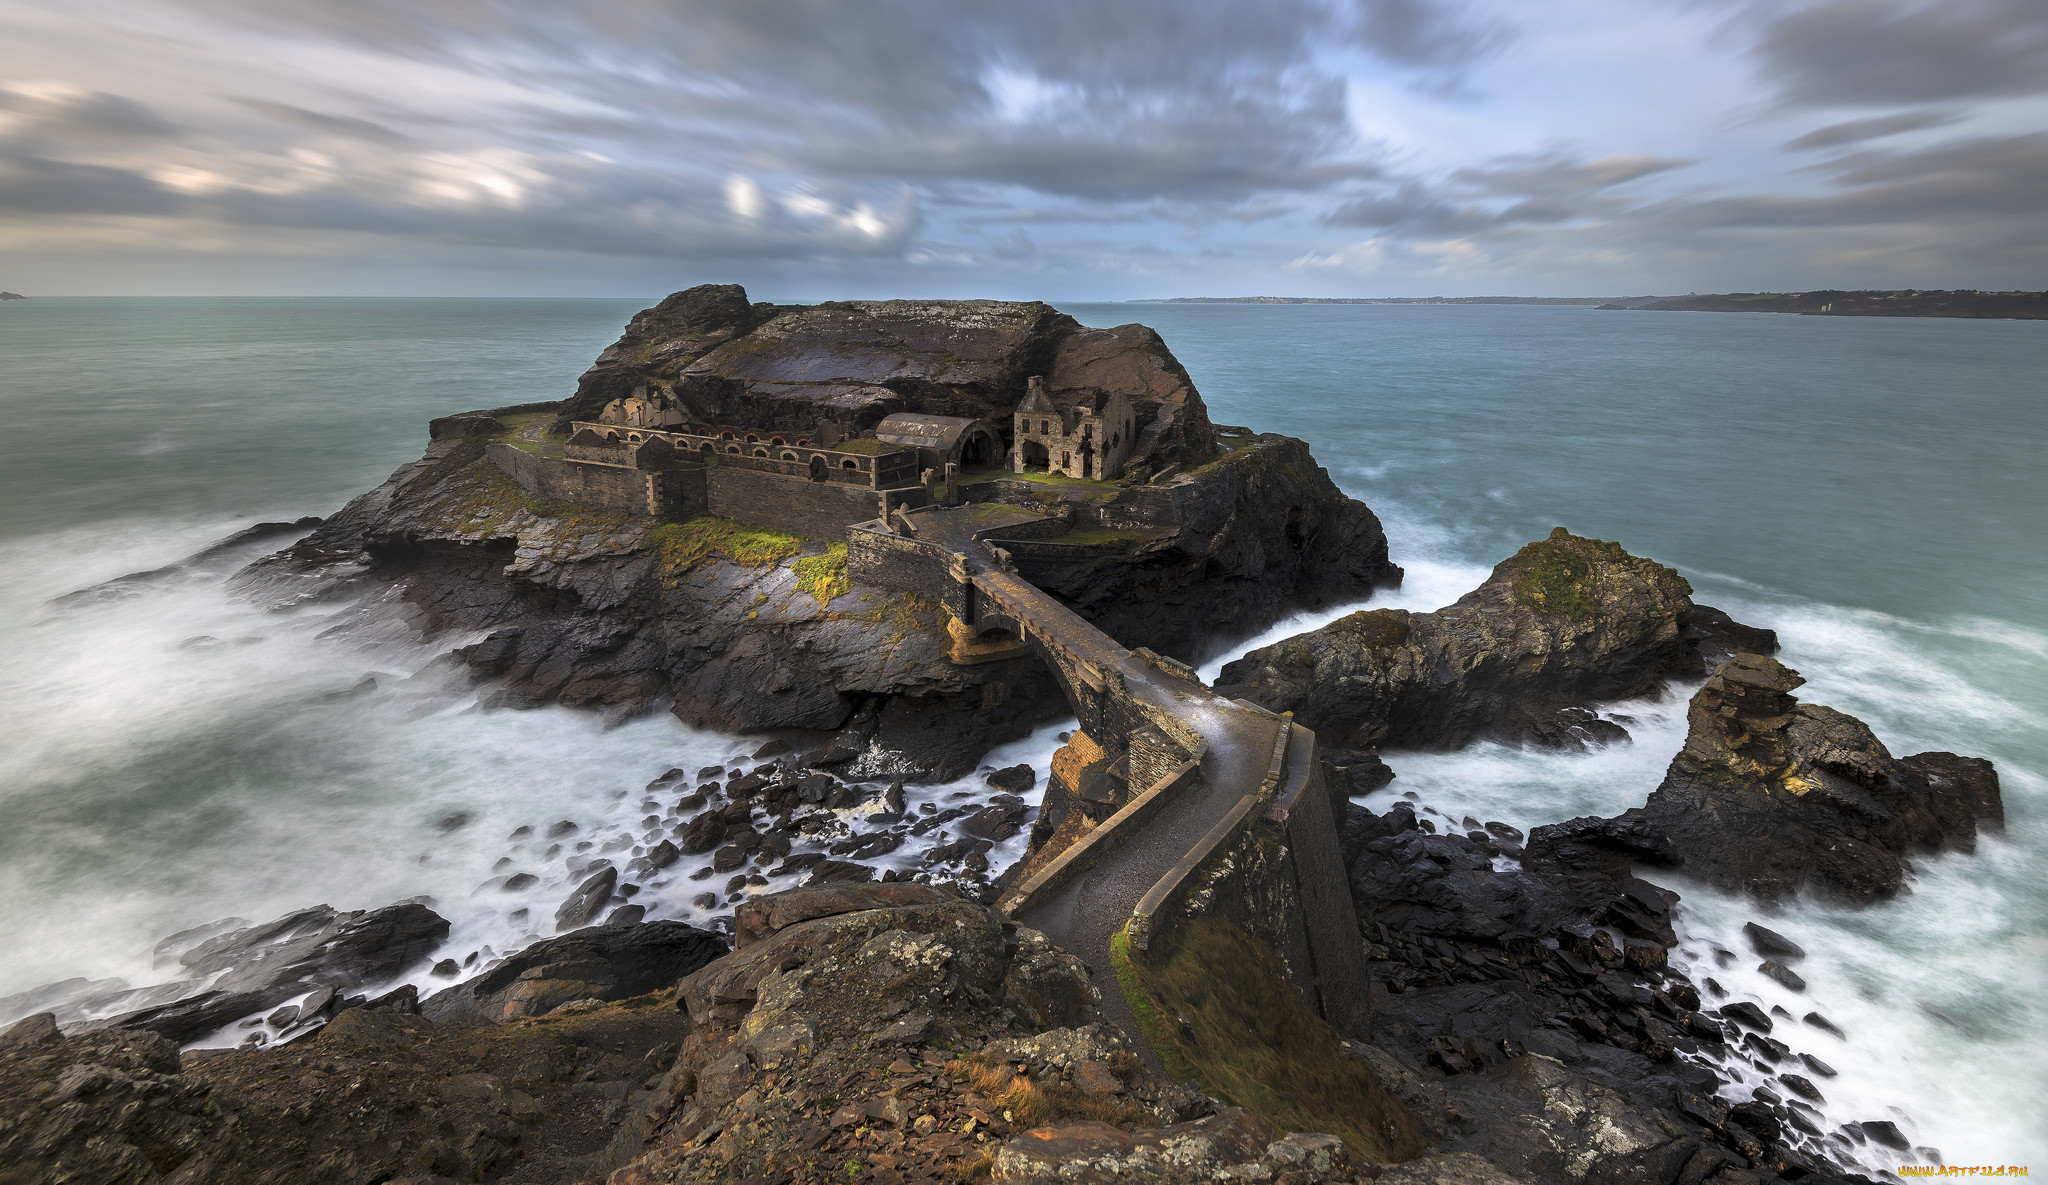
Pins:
<point x="682" y="545"/>
<point x="823" y="576"/>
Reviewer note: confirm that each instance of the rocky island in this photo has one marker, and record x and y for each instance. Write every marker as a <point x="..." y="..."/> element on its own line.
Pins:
<point x="885" y="537"/>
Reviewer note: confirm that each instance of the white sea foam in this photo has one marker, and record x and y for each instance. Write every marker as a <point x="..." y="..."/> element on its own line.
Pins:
<point x="176" y="756"/>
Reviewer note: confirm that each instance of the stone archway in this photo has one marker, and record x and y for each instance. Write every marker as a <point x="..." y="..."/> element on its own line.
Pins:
<point x="818" y="469"/>
<point x="978" y="451"/>
<point x="1034" y="456"/>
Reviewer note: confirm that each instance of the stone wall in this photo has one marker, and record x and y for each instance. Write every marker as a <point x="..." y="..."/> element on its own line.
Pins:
<point x="678" y="493"/>
<point x="818" y="510"/>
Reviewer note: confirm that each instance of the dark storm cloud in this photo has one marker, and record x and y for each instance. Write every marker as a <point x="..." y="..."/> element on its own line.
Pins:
<point x="1856" y="131"/>
<point x="45" y="123"/>
<point x="36" y="185"/>
<point x="1511" y="192"/>
<point x="1844" y="53"/>
<point x="1177" y="99"/>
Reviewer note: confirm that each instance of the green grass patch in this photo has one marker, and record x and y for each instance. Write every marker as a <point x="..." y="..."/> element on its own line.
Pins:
<point x="1039" y="477"/>
<point x="823" y="576"/>
<point x="868" y="446"/>
<point x="528" y="432"/>
<point x="1555" y="575"/>
<point x="1215" y="1004"/>
<point x="682" y="545"/>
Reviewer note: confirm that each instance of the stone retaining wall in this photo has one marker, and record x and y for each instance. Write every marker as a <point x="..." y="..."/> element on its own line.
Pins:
<point x="678" y="493"/>
<point x="816" y="509"/>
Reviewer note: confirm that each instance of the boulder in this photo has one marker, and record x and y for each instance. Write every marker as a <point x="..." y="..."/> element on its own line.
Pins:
<point x="1774" y="797"/>
<point x="589" y="898"/>
<point x="610" y="962"/>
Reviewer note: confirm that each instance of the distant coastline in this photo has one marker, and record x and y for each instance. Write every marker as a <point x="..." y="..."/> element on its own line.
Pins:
<point x="1567" y="300"/>
<point x="2028" y="306"/>
<point x="12" y="296"/>
<point x="1829" y="302"/>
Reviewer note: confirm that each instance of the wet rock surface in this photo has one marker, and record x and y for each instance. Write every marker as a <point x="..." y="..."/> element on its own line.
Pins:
<point x="255" y="968"/>
<point x="1532" y="1018"/>
<point x="604" y="963"/>
<point x="1564" y="623"/>
<point x="1777" y="798"/>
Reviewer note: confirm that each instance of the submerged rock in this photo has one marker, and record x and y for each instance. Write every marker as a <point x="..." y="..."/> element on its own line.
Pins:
<point x="1565" y="622"/>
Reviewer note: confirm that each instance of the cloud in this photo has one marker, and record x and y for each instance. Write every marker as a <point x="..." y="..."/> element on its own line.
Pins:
<point x="1879" y="53"/>
<point x="1856" y="131"/>
<point x="1512" y="191"/>
<point x="62" y="111"/>
<point x="319" y="121"/>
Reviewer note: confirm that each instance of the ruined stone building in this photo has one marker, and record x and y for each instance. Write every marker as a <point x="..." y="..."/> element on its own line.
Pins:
<point x="1088" y="434"/>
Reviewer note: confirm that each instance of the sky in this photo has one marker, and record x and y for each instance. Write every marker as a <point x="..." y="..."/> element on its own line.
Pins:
<point x="1052" y="149"/>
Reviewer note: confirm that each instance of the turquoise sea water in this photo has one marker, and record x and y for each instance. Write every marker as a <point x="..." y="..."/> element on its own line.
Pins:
<point x="1871" y="488"/>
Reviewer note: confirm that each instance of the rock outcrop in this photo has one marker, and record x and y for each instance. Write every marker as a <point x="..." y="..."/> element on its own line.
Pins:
<point x="1776" y="798"/>
<point x="742" y="629"/>
<point x="255" y="968"/>
<point x="860" y="361"/>
<point x="601" y="963"/>
<point x="1565" y="622"/>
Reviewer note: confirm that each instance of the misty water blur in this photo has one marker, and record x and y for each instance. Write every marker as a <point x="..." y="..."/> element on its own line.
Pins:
<point x="1868" y="488"/>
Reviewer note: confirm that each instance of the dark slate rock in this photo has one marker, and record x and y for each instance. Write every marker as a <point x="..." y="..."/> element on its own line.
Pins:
<point x="1783" y="974"/>
<point x="590" y="897"/>
<point x="1017" y="778"/>
<point x="703" y="833"/>
<point x="1747" y="1014"/>
<point x="1824" y="1025"/>
<point x="609" y="962"/>
<point x="1771" y="944"/>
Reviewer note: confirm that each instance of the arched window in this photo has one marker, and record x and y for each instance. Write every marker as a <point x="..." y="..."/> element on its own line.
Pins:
<point x="707" y="452"/>
<point x="761" y="452"/>
<point x="753" y="439"/>
<point x="849" y="463"/>
<point x="611" y="437"/>
<point x="789" y="456"/>
<point x="775" y="440"/>
<point x="725" y="435"/>
<point x="733" y="449"/>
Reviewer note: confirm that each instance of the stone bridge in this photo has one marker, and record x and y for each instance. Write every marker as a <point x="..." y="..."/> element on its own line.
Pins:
<point x="1220" y="806"/>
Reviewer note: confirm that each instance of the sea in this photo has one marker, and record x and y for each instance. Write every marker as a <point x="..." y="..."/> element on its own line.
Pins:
<point x="1873" y="489"/>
